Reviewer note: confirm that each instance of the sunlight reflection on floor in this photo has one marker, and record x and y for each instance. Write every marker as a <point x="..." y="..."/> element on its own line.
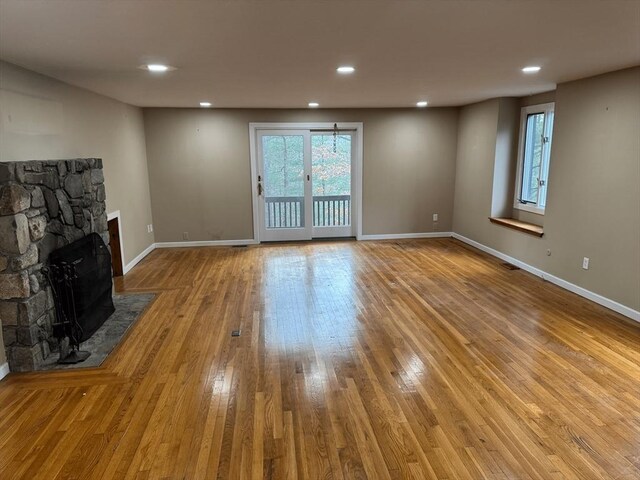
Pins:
<point x="310" y="300"/>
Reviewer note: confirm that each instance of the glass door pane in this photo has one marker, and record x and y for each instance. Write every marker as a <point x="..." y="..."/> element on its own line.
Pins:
<point x="331" y="184"/>
<point x="283" y="168"/>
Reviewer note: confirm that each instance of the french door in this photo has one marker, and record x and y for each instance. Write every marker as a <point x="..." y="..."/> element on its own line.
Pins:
<point x="305" y="184"/>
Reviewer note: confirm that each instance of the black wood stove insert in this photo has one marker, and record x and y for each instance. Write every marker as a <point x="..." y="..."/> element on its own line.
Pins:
<point x="80" y="274"/>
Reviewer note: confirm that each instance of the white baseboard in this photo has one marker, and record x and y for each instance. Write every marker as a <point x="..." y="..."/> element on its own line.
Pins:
<point x="139" y="258"/>
<point x="399" y="236"/>
<point x="4" y="370"/>
<point x="583" y="292"/>
<point x="206" y="243"/>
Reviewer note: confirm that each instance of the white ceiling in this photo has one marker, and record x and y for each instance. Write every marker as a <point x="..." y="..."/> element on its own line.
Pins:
<point x="283" y="53"/>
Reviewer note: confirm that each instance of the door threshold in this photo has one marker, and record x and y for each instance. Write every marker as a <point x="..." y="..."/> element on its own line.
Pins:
<point x="313" y="240"/>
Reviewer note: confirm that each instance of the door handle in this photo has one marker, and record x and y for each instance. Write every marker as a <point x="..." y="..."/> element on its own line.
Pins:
<point x="259" y="189"/>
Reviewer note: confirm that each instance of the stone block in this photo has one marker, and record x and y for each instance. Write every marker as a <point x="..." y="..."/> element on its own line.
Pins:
<point x="48" y="179"/>
<point x="97" y="176"/>
<point x="47" y="245"/>
<point x="71" y="234"/>
<point x="46" y="331"/>
<point x="101" y="193"/>
<point x="14" y="285"/>
<point x="37" y="198"/>
<point x="52" y="203"/>
<point x="24" y="359"/>
<point x="50" y="300"/>
<point x="101" y="223"/>
<point x="77" y="165"/>
<point x="86" y="181"/>
<point x="19" y="171"/>
<point x="8" y="313"/>
<point x="37" y="227"/>
<point x="14" y="233"/>
<point x="45" y="349"/>
<point x="9" y="335"/>
<point x="32" y="308"/>
<point x="97" y="209"/>
<point x="79" y="220"/>
<point x="7" y="172"/>
<point x="28" y="335"/>
<point x="23" y="262"/>
<point x="73" y="186"/>
<point x="67" y="213"/>
<point x="45" y="321"/>
<point x="4" y="261"/>
<point x="13" y="199"/>
<point x="34" y="283"/>
<point x="55" y="226"/>
<point x="34" y="165"/>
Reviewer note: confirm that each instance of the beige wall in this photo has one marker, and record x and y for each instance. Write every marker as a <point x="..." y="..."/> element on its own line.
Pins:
<point x="593" y="206"/>
<point x="41" y="118"/>
<point x="199" y="168"/>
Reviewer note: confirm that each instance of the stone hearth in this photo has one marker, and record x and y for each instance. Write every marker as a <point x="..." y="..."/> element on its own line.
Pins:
<point x="44" y="205"/>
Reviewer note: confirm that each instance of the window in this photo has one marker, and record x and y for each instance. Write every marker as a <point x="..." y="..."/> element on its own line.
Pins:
<point x="534" y="149"/>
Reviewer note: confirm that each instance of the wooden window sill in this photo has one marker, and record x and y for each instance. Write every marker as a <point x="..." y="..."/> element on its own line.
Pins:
<point x="524" y="227"/>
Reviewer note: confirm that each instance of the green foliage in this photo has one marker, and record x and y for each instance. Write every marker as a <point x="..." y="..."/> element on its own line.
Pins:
<point x="284" y="165"/>
<point x="331" y="169"/>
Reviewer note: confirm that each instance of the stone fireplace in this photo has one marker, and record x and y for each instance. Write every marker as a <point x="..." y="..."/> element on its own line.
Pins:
<point x="44" y="205"/>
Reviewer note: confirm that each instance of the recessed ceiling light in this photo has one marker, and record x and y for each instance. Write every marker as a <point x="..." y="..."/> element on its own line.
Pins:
<point x="314" y="104"/>
<point x="345" y="69"/>
<point x="531" y="69"/>
<point x="157" y="68"/>
<point x="205" y="104"/>
<point x="422" y="103"/>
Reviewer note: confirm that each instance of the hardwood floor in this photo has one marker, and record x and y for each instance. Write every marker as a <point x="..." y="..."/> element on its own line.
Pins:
<point x="417" y="359"/>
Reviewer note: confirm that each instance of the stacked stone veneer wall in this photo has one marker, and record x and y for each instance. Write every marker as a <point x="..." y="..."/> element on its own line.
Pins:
<point x="44" y="205"/>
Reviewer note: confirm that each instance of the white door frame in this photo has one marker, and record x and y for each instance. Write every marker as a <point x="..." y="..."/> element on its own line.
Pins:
<point x="357" y="165"/>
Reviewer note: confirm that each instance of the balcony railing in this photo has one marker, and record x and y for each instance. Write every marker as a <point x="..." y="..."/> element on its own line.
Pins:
<point x="331" y="210"/>
<point x="284" y="212"/>
<point x="288" y="212"/>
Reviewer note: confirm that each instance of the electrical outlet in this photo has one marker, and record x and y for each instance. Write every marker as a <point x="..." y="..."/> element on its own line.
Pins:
<point x="150" y="228"/>
<point x="585" y="263"/>
<point x="185" y="235"/>
<point x="435" y="217"/>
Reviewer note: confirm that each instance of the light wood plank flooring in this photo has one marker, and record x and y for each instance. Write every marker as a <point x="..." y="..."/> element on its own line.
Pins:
<point x="417" y="359"/>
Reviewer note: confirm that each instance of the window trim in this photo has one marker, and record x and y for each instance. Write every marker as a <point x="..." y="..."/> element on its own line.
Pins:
<point x="545" y="108"/>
